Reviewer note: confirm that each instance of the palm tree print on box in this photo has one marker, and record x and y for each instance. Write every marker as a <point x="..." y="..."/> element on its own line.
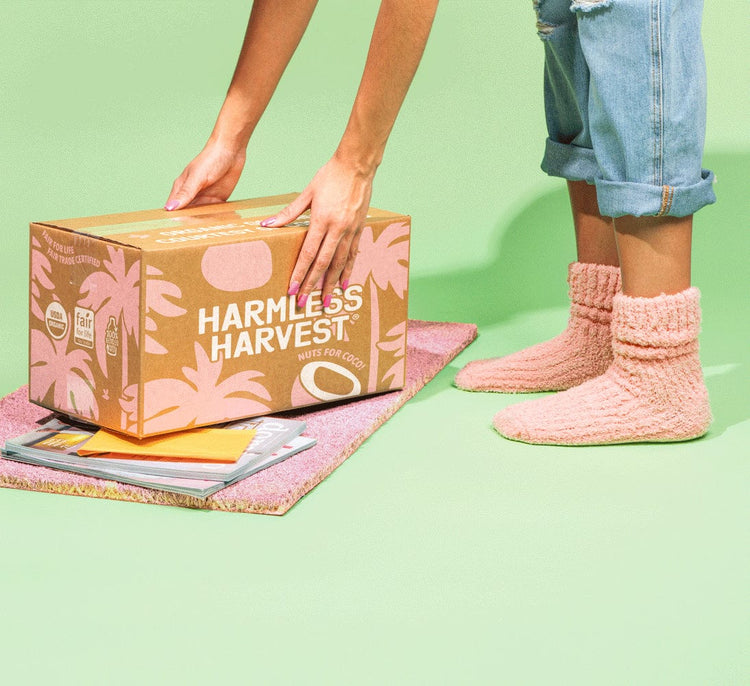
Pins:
<point x="159" y="296"/>
<point x="41" y="270"/>
<point x="114" y="293"/>
<point x="384" y="262"/>
<point x="67" y="374"/>
<point x="396" y="345"/>
<point x="199" y="398"/>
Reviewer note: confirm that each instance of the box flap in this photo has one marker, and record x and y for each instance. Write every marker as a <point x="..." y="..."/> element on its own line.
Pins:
<point x="207" y="224"/>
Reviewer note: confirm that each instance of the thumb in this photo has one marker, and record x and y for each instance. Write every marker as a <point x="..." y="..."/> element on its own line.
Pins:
<point x="290" y="212"/>
<point x="184" y="190"/>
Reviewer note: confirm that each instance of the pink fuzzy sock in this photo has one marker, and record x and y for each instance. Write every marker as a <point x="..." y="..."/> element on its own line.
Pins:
<point x="653" y="391"/>
<point x="582" y="351"/>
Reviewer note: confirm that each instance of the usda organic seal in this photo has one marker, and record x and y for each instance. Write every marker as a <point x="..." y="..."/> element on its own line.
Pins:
<point x="56" y="319"/>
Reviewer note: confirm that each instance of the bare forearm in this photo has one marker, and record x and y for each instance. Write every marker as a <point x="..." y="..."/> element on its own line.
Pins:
<point x="398" y="41"/>
<point x="339" y="194"/>
<point x="273" y="32"/>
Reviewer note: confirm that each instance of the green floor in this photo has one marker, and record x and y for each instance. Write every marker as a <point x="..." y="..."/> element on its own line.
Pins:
<point x="439" y="553"/>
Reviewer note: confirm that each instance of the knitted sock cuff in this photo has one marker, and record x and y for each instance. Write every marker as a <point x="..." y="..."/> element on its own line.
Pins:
<point x="593" y="285"/>
<point x="666" y="321"/>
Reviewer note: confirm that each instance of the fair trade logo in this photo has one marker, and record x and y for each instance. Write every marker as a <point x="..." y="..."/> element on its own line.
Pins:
<point x="83" y="327"/>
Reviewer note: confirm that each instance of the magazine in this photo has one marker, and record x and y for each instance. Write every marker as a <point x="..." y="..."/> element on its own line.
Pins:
<point x="60" y="440"/>
<point x="199" y="488"/>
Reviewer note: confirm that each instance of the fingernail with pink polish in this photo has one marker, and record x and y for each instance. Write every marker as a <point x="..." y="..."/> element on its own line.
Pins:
<point x="293" y="289"/>
<point x="344" y="284"/>
<point x="301" y="300"/>
<point x="326" y="302"/>
<point x="268" y="221"/>
<point x="172" y="204"/>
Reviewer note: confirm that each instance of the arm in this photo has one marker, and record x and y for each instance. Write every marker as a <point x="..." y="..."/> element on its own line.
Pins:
<point x="339" y="194"/>
<point x="273" y="32"/>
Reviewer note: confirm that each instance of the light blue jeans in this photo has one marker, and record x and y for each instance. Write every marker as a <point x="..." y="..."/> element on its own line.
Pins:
<point x="625" y="102"/>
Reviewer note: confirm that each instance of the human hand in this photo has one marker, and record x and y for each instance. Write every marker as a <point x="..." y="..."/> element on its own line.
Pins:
<point x="209" y="178"/>
<point x="338" y="198"/>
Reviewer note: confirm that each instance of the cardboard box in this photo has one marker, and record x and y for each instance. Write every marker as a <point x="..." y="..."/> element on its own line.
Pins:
<point x="150" y="322"/>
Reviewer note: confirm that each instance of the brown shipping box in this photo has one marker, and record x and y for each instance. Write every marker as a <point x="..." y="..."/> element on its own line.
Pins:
<point x="150" y="322"/>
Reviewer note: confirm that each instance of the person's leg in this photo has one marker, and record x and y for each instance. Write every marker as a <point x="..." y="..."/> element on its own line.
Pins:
<point x="595" y="234"/>
<point x="583" y="349"/>
<point x="655" y="254"/>
<point x="649" y="146"/>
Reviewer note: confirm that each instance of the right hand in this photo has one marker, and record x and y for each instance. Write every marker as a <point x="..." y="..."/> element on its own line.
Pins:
<point x="209" y="178"/>
<point x="338" y="198"/>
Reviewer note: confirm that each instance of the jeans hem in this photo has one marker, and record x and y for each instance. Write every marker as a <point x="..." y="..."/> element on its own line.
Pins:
<point x="570" y="162"/>
<point x="618" y="198"/>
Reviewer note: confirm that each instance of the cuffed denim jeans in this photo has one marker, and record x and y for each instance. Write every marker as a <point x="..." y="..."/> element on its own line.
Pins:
<point x="625" y="102"/>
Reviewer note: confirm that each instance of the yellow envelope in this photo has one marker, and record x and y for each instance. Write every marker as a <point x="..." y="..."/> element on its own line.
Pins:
<point x="196" y="445"/>
<point x="60" y="441"/>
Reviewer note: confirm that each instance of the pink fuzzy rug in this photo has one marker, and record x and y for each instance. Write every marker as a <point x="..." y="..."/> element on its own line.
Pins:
<point x="340" y="430"/>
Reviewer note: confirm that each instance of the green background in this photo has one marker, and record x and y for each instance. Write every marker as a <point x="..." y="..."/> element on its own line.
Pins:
<point x="438" y="553"/>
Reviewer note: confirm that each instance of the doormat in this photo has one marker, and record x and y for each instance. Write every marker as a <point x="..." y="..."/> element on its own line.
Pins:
<point x="340" y="429"/>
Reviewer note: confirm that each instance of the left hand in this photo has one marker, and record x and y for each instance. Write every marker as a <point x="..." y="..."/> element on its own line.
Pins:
<point x="209" y="178"/>
<point x="338" y="198"/>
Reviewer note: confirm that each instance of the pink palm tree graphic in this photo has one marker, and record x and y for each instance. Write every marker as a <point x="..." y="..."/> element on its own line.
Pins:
<point x="385" y="262"/>
<point x="41" y="270"/>
<point x="199" y="398"/>
<point x="158" y="294"/>
<point x="67" y="373"/>
<point x="396" y="345"/>
<point x="113" y="293"/>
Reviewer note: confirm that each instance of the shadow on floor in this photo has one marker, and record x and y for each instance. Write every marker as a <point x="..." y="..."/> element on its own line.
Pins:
<point x="526" y="271"/>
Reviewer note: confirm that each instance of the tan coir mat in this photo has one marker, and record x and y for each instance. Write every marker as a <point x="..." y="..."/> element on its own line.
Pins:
<point x="340" y="430"/>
